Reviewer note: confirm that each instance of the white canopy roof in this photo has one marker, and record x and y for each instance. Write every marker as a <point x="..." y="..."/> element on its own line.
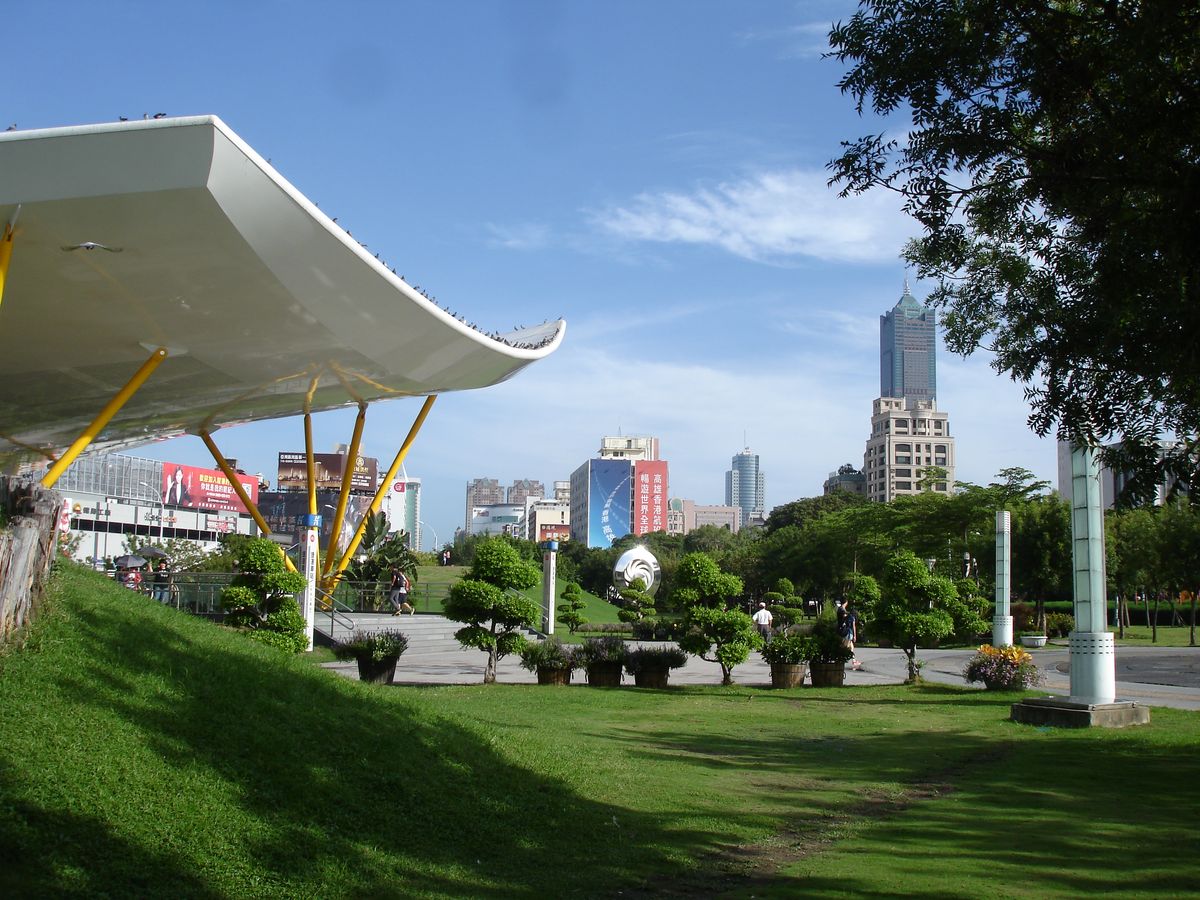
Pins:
<point x="208" y="251"/>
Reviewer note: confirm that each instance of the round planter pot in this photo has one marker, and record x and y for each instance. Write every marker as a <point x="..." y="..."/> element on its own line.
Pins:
<point x="377" y="672"/>
<point x="827" y="674"/>
<point x="1033" y="640"/>
<point x="553" y="676"/>
<point x="652" y="678"/>
<point x="787" y="675"/>
<point x="606" y="674"/>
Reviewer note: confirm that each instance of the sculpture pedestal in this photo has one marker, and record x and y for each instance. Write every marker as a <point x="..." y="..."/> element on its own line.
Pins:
<point x="1065" y="712"/>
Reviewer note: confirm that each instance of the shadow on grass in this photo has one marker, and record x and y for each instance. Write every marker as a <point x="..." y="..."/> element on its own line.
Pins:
<point x="265" y="776"/>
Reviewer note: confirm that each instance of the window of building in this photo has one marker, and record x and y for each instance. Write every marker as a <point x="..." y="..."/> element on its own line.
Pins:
<point x="904" y="448"/>
<point x="904" y="473"/>
<point x="904" y="485"/>
<point x="903" y="459"/>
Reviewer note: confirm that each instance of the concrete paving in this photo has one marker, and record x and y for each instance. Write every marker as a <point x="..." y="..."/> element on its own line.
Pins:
<point x="1150" y="675"/>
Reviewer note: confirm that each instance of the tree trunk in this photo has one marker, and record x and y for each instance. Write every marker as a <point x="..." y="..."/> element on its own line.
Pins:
<point x="1121" y="613"/>
<point x="1192" y="630"/>
<point x="1154" y="622"/>
<point x="726" y="676"/>
<point x="911" y="657"/>
<point x="489" y="671"/>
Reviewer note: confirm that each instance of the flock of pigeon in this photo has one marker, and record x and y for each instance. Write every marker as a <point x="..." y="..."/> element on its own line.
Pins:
<point x="494" y="335"/>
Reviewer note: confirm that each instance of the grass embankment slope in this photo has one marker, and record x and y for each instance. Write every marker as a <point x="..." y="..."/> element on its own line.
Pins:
<point x="149" y="754"/>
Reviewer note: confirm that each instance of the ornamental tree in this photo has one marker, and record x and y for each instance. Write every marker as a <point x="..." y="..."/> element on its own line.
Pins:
<point x="570" y="611"/>
<point x="723" y="636"/>
<point x="261" y="598"/>
<point x="912" y="608"/>
<point x="488" y="602"/>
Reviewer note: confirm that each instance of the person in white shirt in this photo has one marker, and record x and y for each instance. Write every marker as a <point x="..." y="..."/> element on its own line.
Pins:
<point x="763" y="620"/>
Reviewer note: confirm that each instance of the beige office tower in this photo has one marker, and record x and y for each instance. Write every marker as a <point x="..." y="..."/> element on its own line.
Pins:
<point x="907" y="437"/>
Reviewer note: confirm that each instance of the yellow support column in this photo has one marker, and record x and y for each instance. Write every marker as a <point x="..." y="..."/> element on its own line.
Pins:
<point x="348" y="553"/>
<point x="339" y="515"/>
<point x="231" y="477"/>
<point x="6" y="249"/>
<point x="110" y="409"/>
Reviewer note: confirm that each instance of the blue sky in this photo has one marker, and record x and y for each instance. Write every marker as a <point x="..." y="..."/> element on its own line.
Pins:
<point x="651" y="171"/>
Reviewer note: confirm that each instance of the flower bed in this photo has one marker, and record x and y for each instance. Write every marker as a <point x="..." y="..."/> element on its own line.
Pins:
<point x="1002" y="669"/>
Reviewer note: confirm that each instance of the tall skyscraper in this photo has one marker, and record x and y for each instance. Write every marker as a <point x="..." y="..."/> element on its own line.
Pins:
<point x="745" y="487"/>
<point x="907" y="337"/>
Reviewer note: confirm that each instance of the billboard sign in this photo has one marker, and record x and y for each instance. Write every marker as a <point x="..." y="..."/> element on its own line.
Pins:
<point x="292" y="472"/>
<point x="555" y="532"/>
<point x="649" y="496"/>
<point x="193" y="488"/>
<point x="608" y="501"/>
<point x="285" y="510"/>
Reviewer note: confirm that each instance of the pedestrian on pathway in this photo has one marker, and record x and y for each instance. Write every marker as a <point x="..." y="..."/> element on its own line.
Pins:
<point x="763" y="620"/>
<point x="399" y="593"/>
<point x="848" y="629"/>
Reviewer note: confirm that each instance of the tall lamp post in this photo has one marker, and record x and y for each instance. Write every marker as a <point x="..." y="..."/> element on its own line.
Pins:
<point x="162" y="510"/>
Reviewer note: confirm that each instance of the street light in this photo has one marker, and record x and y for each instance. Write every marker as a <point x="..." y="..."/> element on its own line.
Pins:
<point x="162" y="511"/>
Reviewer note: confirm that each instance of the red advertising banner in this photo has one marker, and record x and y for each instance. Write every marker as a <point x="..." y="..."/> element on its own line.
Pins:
<point x="292" y="474"/>
<point x="193" y="488"/>
<point x="554" y="533"/>
<point x="649" y="496"/>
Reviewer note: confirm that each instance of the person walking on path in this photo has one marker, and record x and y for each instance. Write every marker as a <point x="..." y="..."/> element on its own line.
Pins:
<point x="399" y="593"/>
<point x="763" y="620"/>
<point x="848" y="629"/>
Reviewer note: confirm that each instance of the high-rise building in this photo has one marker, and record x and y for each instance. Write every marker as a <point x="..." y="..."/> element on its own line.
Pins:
<point x="524" y="490"/>
<point x="907" y="337"/>
<point x="482" y="492"/>
<point x="907" y="436"/>
<point x="745" y="487"/>
<point x="616" y="496"/>
<point x="402" y="505"/>
<point x="629" y="447"/>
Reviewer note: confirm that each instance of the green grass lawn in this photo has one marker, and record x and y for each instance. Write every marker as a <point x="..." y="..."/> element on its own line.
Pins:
<point x="1168" y="636"/>
<point x="145" y="753"/>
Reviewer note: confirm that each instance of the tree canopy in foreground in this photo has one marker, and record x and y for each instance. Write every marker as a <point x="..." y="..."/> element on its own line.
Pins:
<point x="1053" y="162"/>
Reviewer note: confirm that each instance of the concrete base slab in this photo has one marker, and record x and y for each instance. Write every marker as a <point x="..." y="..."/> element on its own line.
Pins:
<point x="1069" y="712"/>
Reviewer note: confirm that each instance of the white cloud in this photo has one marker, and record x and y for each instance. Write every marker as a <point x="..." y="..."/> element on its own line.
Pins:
<point x="805" y="41"/>
<point x="774" y="217"/>
<point x="526" y="236"/>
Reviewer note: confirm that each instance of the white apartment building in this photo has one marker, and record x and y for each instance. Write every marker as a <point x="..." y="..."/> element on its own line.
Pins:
<point x="906" y="436"/>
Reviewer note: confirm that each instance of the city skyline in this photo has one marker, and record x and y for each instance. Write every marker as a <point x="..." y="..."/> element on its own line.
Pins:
<point x="654" y="173"/>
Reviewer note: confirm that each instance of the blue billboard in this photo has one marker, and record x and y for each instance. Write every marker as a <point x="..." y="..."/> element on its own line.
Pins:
<point x="609" y="497"/>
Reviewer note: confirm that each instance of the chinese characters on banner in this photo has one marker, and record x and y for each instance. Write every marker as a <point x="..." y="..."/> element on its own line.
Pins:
<point x="649" y="496"/>
<point x="208" y="489"/>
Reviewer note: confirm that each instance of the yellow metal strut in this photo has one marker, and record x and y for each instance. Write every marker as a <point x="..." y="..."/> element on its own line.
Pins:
<point x="110" y="409"/>
<point x="348" y="553"/>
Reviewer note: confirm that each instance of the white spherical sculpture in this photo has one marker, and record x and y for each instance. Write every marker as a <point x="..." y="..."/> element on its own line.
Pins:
<point x="637" y="562"/>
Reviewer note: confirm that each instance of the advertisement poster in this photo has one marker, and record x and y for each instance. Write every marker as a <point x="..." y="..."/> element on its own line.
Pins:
<point x="283" y="510"/>
<point x="649" y="496"/>
<point x="329" y="467"/>
<point x="608" y="501"/>
<point x="560" y="532"/>
<point x="193" y="488"/>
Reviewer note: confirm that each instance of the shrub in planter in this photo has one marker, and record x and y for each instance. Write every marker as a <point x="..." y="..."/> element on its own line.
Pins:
<point x="602" y="658"/>
<point x="376" y="653"/>
<point x="787" y="655"/>
<point x="550" y="659"/>
<point x="1002" y="669"/>
<point x="651" y="666"/>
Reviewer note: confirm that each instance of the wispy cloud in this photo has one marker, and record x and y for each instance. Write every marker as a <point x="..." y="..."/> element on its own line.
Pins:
<point x="772" y="217"/>
<point x="525" y="236"/>
<point x="804" y="41"/>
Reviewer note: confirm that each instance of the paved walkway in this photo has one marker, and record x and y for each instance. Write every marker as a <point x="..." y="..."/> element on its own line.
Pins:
<point x="1150" y="675"/>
